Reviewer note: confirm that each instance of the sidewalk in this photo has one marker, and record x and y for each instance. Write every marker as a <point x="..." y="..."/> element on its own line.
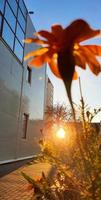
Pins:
<point x="14" y="187"/>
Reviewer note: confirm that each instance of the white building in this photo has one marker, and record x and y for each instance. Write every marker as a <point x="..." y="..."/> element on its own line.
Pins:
<point x="49" y="93"/>
<point x="22" y="91"/>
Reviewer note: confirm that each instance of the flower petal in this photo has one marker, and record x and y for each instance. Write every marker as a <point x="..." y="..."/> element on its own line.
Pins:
<point x="79" y="30"/>
<point x="30" y="186"/>
<point x="91" y="61"/>
<point x="35" y="40"/>
<point x="88" y="34"/>
<point x="54" y="68"/>
<point x="57" y="30"/>
<point x="38" y="52"/>
<point x="28" y="40"/>
<point x="49" y="36"/>
<point x="75" y="76"/>
<point x="36" y="62"/>
<point x="80" y="60"/>
<point x="95" y="67"/>
<point x="96" y="50"/>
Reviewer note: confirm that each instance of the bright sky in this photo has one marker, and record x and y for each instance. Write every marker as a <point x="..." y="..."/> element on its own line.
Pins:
<point x="48" y="12"/>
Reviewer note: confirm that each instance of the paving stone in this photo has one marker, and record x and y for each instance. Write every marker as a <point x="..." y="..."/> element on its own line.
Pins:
<point x="14" y="187"/>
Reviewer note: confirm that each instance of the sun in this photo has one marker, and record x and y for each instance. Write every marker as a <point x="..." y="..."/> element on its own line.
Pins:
<point x="60" y="133"/>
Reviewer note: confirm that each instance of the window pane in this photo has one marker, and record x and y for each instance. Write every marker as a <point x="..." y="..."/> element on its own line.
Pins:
<point x="23" y="8"/>
<point x="25" y="125"/>
<point x="2" y="2"/>
<point x="18" y="50"/>
<point x="10" y="17"/>
<point x="13" y="5"/>
<point x="21" y="20"/>
<point x="20" y="34"/>
<point x="8" y="35"/>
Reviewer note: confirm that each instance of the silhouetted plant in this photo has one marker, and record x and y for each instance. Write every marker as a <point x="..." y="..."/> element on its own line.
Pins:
<point x="78" y="166"/>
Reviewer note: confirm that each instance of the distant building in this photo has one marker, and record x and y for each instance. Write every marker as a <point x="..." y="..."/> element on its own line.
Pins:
<point x="22" y="91"/>
<point x="49" y="93"/>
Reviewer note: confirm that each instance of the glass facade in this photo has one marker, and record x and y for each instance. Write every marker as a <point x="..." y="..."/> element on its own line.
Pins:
<point x="2" y="3"/>
<point x="13" y="4"/>
<point x="21" y="20"/>
<point x="0" y="22"/>
<point x="22" y="7"/>
<point x="13" y="29"/>
<point x="20" y="34"/>
<point x="9" y="16"/>
<point x="8" y="35"/>
<point x="18" y="50"/>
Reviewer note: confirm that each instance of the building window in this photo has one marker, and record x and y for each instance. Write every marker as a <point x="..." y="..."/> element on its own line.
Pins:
<point x="23" y="8"/>
<point x="10" y="17"/>
<point x="20" y="34"/>
<point x="18" y="50"/>
<point x="13" y="5"/>
<point x="29" y="75"/>
<point x="2" y="2"/>
<point x="25" y="125"/>
<point x="8" y="35"/>
<point x="13" y="25"/>
<point x="21" y="20"/>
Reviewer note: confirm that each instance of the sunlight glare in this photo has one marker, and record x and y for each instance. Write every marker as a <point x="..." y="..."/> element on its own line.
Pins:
<point x="60" y="133"/>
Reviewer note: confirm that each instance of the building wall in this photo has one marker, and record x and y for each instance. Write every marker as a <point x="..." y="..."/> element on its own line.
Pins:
<point x="19" y="97"/>
<point x="49" y="93"/>
<point x="10" y="90"/>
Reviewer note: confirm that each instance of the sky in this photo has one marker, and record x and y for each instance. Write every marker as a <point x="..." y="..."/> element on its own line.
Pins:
<point x="49" y="12"/>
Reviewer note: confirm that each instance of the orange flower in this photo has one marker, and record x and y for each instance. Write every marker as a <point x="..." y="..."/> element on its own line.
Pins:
<point x="30" y="186"/>
<point x="60" y="39"/>
<point x="37" y="178"/>
<point x="62" y="51"/>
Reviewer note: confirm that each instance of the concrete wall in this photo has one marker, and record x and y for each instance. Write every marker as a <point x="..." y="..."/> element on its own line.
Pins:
<point x="17" y="97"/>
